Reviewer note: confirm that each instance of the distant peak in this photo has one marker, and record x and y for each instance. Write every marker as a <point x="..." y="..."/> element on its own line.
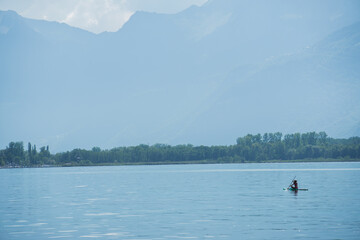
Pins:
<point x="8" y="19"/>
<point x="8" y="13"/>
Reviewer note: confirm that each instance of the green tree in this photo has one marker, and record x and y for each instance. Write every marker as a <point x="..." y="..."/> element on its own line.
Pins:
<point x="96" y="149"/>
<point x="15" y="154"/>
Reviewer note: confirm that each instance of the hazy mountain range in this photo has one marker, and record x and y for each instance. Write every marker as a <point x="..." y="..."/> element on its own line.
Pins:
<point x="206" y="75"/>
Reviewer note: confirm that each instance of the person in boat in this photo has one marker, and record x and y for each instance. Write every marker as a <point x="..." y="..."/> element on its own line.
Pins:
<point x="294" y="185"/>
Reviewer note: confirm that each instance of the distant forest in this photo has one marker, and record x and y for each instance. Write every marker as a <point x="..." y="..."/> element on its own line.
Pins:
<point x="268" y="147"/>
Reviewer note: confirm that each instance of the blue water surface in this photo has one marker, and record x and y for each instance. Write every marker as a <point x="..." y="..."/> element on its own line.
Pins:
<point x="228" y="201"/>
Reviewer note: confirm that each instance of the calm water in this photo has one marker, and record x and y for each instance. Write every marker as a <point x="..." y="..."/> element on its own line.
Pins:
<point x="231" y="201"/>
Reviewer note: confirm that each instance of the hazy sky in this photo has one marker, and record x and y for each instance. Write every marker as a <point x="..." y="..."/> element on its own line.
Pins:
<point x="93" y="15"/>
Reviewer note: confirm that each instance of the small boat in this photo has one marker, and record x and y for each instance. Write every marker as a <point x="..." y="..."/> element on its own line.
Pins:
<point x="293" y="189"/>
<point x="293" y="186"/>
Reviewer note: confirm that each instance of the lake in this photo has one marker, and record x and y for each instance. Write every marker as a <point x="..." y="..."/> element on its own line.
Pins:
<point x="220" y="201"/>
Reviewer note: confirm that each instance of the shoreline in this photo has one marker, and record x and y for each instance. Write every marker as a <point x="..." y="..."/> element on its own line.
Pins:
<point x="184" y="163"/>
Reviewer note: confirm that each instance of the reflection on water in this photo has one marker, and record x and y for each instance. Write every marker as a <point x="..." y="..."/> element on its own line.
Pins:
<point x="231" y="201"/>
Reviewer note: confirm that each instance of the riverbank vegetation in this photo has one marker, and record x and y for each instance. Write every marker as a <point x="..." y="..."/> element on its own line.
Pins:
<point x="269" y="147"/>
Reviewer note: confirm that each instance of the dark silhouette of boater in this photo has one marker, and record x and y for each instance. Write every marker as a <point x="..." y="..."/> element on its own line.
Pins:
<point x="294" y="185"/>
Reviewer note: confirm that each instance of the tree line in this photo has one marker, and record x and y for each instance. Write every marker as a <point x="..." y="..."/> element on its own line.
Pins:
<point x="250" y="148"/>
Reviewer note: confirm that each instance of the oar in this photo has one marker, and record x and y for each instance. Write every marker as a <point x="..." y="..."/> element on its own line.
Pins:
<point x="291" y="182"/>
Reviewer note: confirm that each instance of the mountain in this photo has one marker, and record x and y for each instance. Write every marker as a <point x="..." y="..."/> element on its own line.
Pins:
<point x="315" y="88"/>
<point x="206" y="75"/>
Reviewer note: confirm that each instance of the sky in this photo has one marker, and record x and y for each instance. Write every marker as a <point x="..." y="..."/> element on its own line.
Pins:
<point x="93" y="15"/>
